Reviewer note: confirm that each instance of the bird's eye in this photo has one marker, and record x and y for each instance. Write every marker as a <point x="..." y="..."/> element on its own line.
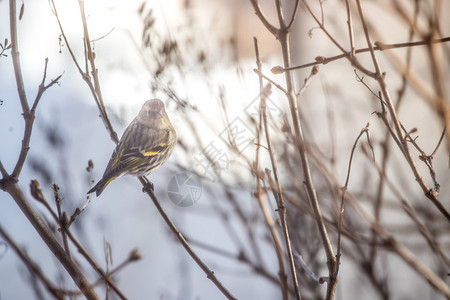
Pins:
<point x="152" y="113"/>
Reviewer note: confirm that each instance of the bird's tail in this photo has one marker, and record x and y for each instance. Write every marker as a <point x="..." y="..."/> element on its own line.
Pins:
<point x="101" y="185"/>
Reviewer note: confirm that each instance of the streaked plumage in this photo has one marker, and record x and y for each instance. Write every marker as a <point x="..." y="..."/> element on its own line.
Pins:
<point x="146" y="144"/>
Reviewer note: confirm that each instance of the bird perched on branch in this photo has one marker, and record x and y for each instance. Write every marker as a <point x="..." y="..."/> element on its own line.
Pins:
<point x="145" y="145"/>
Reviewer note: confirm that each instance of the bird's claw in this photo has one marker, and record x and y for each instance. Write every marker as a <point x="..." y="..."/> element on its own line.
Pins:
<point x="148" y="186"/>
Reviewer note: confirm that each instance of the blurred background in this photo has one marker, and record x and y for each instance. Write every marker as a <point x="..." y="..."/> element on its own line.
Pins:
<point x="198" y="57"/>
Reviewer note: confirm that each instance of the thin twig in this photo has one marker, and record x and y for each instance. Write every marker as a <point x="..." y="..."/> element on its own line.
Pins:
<point x="294" y="15"/>
<point x="350" y="28"/>
<point x="414" y="216"/>
<point x="240" y="257"/>
<point x="13" y="189"/>
<point x="94" y="72"/>
<point x="392" y="244"/>
<point x="263" y="92"/>
<point x="62" y="220"/>
<point x="79" y="211"/>
<point x="10" y="183"/>
<point x="263" y="19"/>
<point x="260" y="73"/>
<point x="427" y="159"/>
<point x="344" y="189"/>
<point x="28" y="114"/>
<point x="320" y="60"/>
<point x="61" y="217"/>
<point x="282" y="35"/>
<point x="134" y="256"/>
<point x="385" y="147"/>
<point x="307" y="270"/>
<point x="361" y="79"/>
<point x="432" y="195"/>
<point x="94" y="264"/>
<point x="307" y="80"/>
<point x="43" y="87"/>
<point x="404" y="253"/>
<point x="15" y="58"/>
<point x="3" y="172"/>
<point x="439" y="143"/>
<point x="322" y="26"/>
<point x="209" y="273"/>
<point x="93" y="87"/>
<point x="32" y="266"/>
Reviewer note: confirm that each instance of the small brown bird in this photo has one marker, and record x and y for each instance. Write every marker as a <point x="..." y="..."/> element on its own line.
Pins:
<point x="145" y="145"/>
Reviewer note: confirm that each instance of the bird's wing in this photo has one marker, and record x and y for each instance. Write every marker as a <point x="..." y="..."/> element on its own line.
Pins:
<point x="136" y="149"/>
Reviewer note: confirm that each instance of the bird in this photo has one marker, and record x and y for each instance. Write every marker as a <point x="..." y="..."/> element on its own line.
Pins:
<point x="146" y="144"/>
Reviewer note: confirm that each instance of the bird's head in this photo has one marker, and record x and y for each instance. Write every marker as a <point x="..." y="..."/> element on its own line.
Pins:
<point x="153" y="113"/>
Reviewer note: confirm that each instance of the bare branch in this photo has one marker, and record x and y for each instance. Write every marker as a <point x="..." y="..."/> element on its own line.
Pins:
<point x="278" y="191"/>
<point x="10" y="184"/>
<point x="440" y="141"/>
<point x="397" y="126"/>
<point x="283" y="38"/>
<point x="307" y="80"/>
<point x="3" y="171"/>
<point x="344" y="189"/>
<point x="403" y="251"/>
<point x="350" y="28"/>
<point x="93" y="87"/>
<point x="94" y="264"/>
<point x="263" y="19"/>
<point x="32" y="266"/>
<point x="210" y="274"/>
<point x="321" y="60"/>
<point x="13" y="189"/>
<point x="63" y="222"/>
<point x="43" y="87"/>
<point x="27" y="115"/>
<point x="16" y="57"/>
<point x="294" y="15"/>
<point x="322" y="26"/>
<point x="98" y="92"/>
<point x="259" y="72"/>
